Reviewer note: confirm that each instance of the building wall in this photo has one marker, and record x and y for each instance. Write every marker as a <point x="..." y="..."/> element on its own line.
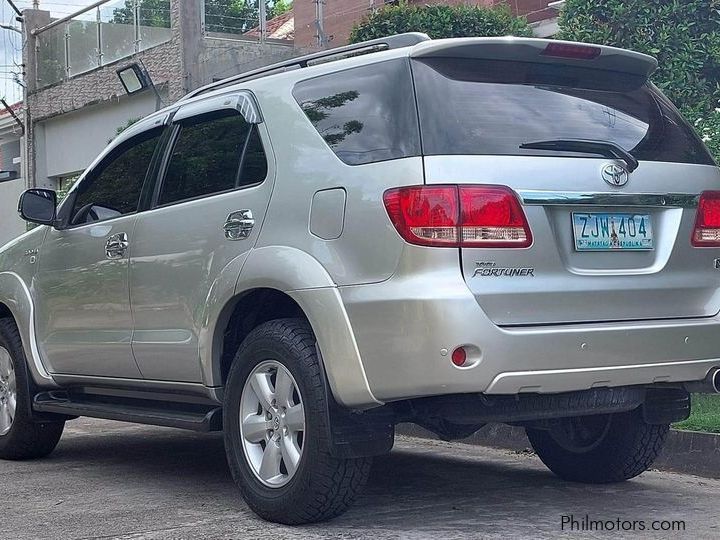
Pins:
<point x="10" y="149"/>
<point x="70" y="123"/>
<point x="103" y="85"/>
<point x="10" y="223"/>
<point x="67" y="143"/>
<point x="222" y="58"/>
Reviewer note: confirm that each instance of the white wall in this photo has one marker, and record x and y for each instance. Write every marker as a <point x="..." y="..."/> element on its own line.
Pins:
<point x="11" y="225"/>
<point x="68" y="143"/>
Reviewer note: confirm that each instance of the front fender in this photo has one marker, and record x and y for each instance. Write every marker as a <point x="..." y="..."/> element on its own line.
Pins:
<point x="15" y="294"/>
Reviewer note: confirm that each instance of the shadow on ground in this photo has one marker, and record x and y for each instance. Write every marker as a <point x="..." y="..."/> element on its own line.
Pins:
<point x="108" y="479"/>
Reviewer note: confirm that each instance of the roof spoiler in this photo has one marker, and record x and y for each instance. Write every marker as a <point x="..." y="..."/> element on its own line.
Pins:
<point x="544" y="51"/>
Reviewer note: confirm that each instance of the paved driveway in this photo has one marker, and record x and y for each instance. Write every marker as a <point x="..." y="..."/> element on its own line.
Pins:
<point x="109" y="480"/>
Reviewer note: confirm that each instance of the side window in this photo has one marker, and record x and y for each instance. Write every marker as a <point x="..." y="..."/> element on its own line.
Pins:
<point x="113" y="188"/>
<point x="207" y="156"/>
<point x="254" y="165"/>
<point x="365" y="114"/>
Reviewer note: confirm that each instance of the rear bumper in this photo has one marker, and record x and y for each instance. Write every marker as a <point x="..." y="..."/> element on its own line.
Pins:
<point x="407" y="326"/>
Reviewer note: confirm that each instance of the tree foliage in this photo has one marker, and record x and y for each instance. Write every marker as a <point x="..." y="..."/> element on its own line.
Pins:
<point x="684" y="35"/>
<point x="152" y="13"/>
<point x="440" y="21"/>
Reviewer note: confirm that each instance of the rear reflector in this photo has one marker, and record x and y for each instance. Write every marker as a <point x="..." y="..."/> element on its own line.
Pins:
<point x="458" y="357"/>
<point x="454" y="216"/>
<point x="707" y="222"/>
<point x="569" y="50"/>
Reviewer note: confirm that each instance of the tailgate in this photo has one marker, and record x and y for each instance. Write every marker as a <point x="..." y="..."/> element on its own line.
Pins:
<point x="565" y="285"/>
<point x="610" y="241"/>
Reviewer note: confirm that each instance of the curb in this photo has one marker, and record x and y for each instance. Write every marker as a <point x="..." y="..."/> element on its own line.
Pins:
<point x="687" y="452"/>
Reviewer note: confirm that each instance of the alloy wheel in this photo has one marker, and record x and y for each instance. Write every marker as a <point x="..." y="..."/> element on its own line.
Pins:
<point x="272" y="423"/>
<point x="8" y="392"/>
<point x="582" y="434"/>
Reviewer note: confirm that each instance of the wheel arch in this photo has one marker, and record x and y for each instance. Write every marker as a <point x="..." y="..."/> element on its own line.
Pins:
<point x="16" y="302"/>
<point x="5" y="311"/>
<point x="278" y="282"/>
<point x="242" y="314"/>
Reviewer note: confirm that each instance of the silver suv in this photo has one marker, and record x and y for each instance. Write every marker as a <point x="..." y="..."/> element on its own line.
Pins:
<point x="448" y="232"/>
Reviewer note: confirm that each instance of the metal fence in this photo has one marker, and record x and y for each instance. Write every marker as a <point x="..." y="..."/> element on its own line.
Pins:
<point x="263" y="20"/>
<point x="99" y="35"/>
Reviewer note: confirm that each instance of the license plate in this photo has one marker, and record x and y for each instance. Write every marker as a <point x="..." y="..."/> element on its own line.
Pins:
<point x="612" y="232"/>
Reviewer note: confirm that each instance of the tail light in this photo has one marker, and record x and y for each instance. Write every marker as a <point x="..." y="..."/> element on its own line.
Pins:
<point x="427" y="216"/>
<point x="454" y="216"/>
<point x="707" y="222"/>
<point x="491" y="216"/>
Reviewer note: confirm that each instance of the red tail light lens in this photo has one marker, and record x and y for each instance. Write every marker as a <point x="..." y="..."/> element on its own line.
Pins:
<point x="454" y="216"/>
<point x="425" y="215"/>
<point x="707" y="223"/>
<point x="571" y="50"/>
<point x="492" y="217"/>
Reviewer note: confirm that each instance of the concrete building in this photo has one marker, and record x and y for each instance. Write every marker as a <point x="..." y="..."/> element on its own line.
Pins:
<point x="12" y="180"/>
<point x="75" y="101"/>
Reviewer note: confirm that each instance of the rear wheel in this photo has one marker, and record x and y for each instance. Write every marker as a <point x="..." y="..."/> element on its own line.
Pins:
<point x="601" y="448"/>
<point x="20" y="436"/>
<point x="276" y="429"/>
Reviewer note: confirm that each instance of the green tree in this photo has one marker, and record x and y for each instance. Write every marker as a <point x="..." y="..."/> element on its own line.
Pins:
<point x="152" y="13"/>
<point x="280" y="7"/>
<point x="684" y="35"/>
<point x="440" y="21"/>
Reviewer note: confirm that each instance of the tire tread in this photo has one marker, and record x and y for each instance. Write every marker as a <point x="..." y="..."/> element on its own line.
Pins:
<point x="334" y="483"/>
<point x="630" y="448"/>
<point x="27" y="439"/>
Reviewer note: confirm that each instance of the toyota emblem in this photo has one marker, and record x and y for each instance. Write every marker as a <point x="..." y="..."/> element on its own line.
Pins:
<point x="615" y="175"/>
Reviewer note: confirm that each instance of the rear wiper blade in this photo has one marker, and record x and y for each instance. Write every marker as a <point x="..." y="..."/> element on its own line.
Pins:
<point x="602" y="148"/>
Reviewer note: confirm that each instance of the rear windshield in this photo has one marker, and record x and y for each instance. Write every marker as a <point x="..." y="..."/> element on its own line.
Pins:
<point x="471" y="106"/>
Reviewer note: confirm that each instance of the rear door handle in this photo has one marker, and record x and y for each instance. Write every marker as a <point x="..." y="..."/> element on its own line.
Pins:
<point x="239" y="225"/>
<point x="116" y="246"/>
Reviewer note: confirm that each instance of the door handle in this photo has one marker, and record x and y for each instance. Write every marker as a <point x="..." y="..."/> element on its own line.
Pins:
<point x="116" y="246"/>
<point x="239" y="225"/>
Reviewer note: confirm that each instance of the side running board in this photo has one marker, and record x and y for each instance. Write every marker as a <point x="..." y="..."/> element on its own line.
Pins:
<point x="140" y="411"/>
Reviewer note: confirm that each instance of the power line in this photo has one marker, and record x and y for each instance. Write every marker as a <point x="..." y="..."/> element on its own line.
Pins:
<point x="12" y="5"/>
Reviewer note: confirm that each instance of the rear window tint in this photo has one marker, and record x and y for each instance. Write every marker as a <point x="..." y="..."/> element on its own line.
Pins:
<point x="470" y="106"/>
<point x="365" y="114"/>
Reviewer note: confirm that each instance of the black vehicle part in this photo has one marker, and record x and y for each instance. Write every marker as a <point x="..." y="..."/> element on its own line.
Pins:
<point x="195" y="417"/>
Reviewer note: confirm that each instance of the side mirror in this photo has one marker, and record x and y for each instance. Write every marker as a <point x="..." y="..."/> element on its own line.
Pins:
<point x="38" y="206"/>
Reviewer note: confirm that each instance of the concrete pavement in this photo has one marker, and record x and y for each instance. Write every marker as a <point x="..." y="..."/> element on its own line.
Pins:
<point x="113" y="480"/>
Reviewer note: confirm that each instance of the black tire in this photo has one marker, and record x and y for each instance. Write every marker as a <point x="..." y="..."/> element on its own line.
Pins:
<point x="615" y="448"/>
<point x="26" y="439"/>
<point x="323" y="486"/>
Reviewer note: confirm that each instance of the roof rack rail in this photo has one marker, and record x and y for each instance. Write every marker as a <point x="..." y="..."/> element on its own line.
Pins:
<point x="366" y="47"/>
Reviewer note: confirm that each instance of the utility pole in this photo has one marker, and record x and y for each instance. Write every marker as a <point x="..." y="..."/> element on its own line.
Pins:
<point x="320" y="23"/>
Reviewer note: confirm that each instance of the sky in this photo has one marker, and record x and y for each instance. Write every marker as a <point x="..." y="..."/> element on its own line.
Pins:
<point x="11" y="42"/>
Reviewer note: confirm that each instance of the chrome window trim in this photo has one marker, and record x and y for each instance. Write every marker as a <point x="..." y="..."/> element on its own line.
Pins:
<point x="580" y="198"/>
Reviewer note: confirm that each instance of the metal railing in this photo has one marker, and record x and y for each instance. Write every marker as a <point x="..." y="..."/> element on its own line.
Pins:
<point x="98" y="35"/>
<point x="257" y="20"/>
